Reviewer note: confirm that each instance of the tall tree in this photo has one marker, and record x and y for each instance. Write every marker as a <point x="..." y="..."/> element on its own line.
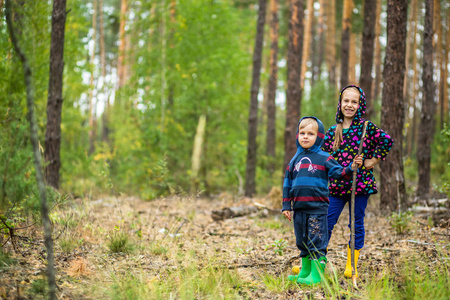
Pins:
<point x="392" y="181"/>
<point x="306" y="41"/>
<point x="58" y="13"/>
<point x="444" y="75"/>
<point x="272" y="86"/>
<point x="377" y="62"/>
<point x="317" y="70"/>
<point x="121" y="67"/>
<point x="293" y="93"/>
<point x="330" y="11"/>
<point x="345" y="40"/>
<point x="368" y="37"/>
<point x="411" y="85"/>
<point x="55" y="99"/>
<point x="250" y="171"/>
<point x="427" y="123"/>
<point x="92" y="102"/>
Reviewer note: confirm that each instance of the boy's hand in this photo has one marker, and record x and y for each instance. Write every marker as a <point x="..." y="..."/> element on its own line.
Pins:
<point x="287" y="214"/>
<point x="358" y="161"/>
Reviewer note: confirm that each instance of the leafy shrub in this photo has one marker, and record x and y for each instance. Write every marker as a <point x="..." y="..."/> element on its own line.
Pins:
<point x="400" y="221"/>
<point x="118" y="242"/>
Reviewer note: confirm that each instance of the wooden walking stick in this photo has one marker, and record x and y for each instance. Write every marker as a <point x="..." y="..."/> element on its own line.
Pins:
<point x="352" y="210"/>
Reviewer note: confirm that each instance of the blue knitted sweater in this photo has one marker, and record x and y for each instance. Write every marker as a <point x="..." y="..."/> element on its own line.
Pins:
<point x="305" y="185"/>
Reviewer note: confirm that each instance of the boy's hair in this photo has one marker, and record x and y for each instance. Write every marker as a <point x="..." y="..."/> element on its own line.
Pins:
<point x="306" y="121"/>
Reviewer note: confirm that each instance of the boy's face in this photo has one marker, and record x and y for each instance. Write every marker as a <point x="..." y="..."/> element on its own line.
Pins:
<point x="307" y="136"/>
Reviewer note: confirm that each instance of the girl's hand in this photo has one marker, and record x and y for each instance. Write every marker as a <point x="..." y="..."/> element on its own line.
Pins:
<point x="287" y="214"/>
<point x="358" y="160"/>
<point x="370" y="163"/>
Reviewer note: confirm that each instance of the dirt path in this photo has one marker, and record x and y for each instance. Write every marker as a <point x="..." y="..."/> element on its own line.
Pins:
<point x="173" y="233"/>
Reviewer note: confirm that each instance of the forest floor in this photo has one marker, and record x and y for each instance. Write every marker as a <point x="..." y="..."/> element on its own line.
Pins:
<point x="173" y="249"/>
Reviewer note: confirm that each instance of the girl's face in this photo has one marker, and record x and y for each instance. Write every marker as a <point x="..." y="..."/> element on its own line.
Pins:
<point x="350" y="103"/>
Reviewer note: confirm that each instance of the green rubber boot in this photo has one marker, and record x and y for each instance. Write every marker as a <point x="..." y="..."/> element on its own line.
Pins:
<point x="304" y="272"/>
<point x="317" y="270"/>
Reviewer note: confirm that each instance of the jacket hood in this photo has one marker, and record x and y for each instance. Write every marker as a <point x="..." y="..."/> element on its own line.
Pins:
<point x="320" y="135"/>
<point x="361" y="109"/>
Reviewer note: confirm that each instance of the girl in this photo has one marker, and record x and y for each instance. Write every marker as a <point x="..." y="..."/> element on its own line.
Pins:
<point x="342" y="142"/>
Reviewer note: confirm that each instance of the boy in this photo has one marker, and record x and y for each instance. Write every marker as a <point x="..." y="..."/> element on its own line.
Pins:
<point x="305" y="191"/>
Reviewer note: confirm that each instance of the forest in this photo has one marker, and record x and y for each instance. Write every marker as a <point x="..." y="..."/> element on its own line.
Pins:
<point x="144" y="144"/>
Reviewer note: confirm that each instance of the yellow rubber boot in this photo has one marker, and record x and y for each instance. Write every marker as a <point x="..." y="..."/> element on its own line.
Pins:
<point x="348" y="267"/>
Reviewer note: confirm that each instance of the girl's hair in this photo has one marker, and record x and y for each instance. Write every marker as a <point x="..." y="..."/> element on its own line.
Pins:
<point x="339" y="126"/>
<point x="306" y="121"/>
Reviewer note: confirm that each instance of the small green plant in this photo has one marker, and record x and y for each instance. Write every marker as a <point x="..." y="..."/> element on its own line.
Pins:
<point x="276" y="284"/>
<point x="158" y="249"/>
<point x="400" y="221"/>
<point x="118" y="241"/>
<point x="6" y="260"/>
<point x="68" y="243"/>
<point x="278" y="246"/>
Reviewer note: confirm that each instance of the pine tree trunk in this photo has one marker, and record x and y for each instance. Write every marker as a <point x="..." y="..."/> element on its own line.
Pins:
<point x="392" y="182"/>
<point x="250" y="173"/>
<point x="293" y="93"/>
<point x="331" y="42"/>
<point x="105" y="129"/>
<point x="352" y="59"/>
<point x="272" y="86"/>
<point x="57" y="43"/>
<point x="54" y="102"/>
<point x="345" y="41"/>
<point x="410" y="84"/>
<point x="376" y="84"/>
<point x="121" y="68"/>
<point x="427" y="123"/>
<point x="367" y="51"/>
<point x="92" y="102"/>
<point x="306" y="41"/>
<point x="444" y="75"/>
<point x="317" y="71"/>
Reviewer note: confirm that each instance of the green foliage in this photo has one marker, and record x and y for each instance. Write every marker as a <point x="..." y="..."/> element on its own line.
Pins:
<point x="68" y="243"/>
<point x="278" y="246"/>
<point x="440" y="162"/>
<point x="118" y="242"/>
<point x="6" y="260"/>
<point x="400" y="222"/>
<point x="276" y="284"/>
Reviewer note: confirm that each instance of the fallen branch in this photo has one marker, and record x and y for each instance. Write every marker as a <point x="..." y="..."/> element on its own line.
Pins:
<point x="233" y="212"/>
<point x="256" y="264"/>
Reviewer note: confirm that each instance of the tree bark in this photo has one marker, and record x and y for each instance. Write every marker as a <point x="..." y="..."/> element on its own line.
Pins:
<point x="306" y="41"/>
<point x="410" y="84"/>
<point x="345" y="41"/>
<point x="58" y="15"/>
<point x="444" y="75"/>
<point x="376" y="84"/>
<point x="121" y="68"/>
<point x="427" y="123"/>
<point x="293" y="93"/>
<point x="392" y="182"/>
<point x="250" y="172"/>
<point x="93" y="103"/>
<point x="331" y="42"/>
<point x="54" y="104"/>
<point x="317" y="71"/>
<point x="272" y="86"/>
<point x="368" y="37"/>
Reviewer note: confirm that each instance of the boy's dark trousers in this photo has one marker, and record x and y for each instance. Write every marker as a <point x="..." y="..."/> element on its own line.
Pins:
<point x="311" y="234"/>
